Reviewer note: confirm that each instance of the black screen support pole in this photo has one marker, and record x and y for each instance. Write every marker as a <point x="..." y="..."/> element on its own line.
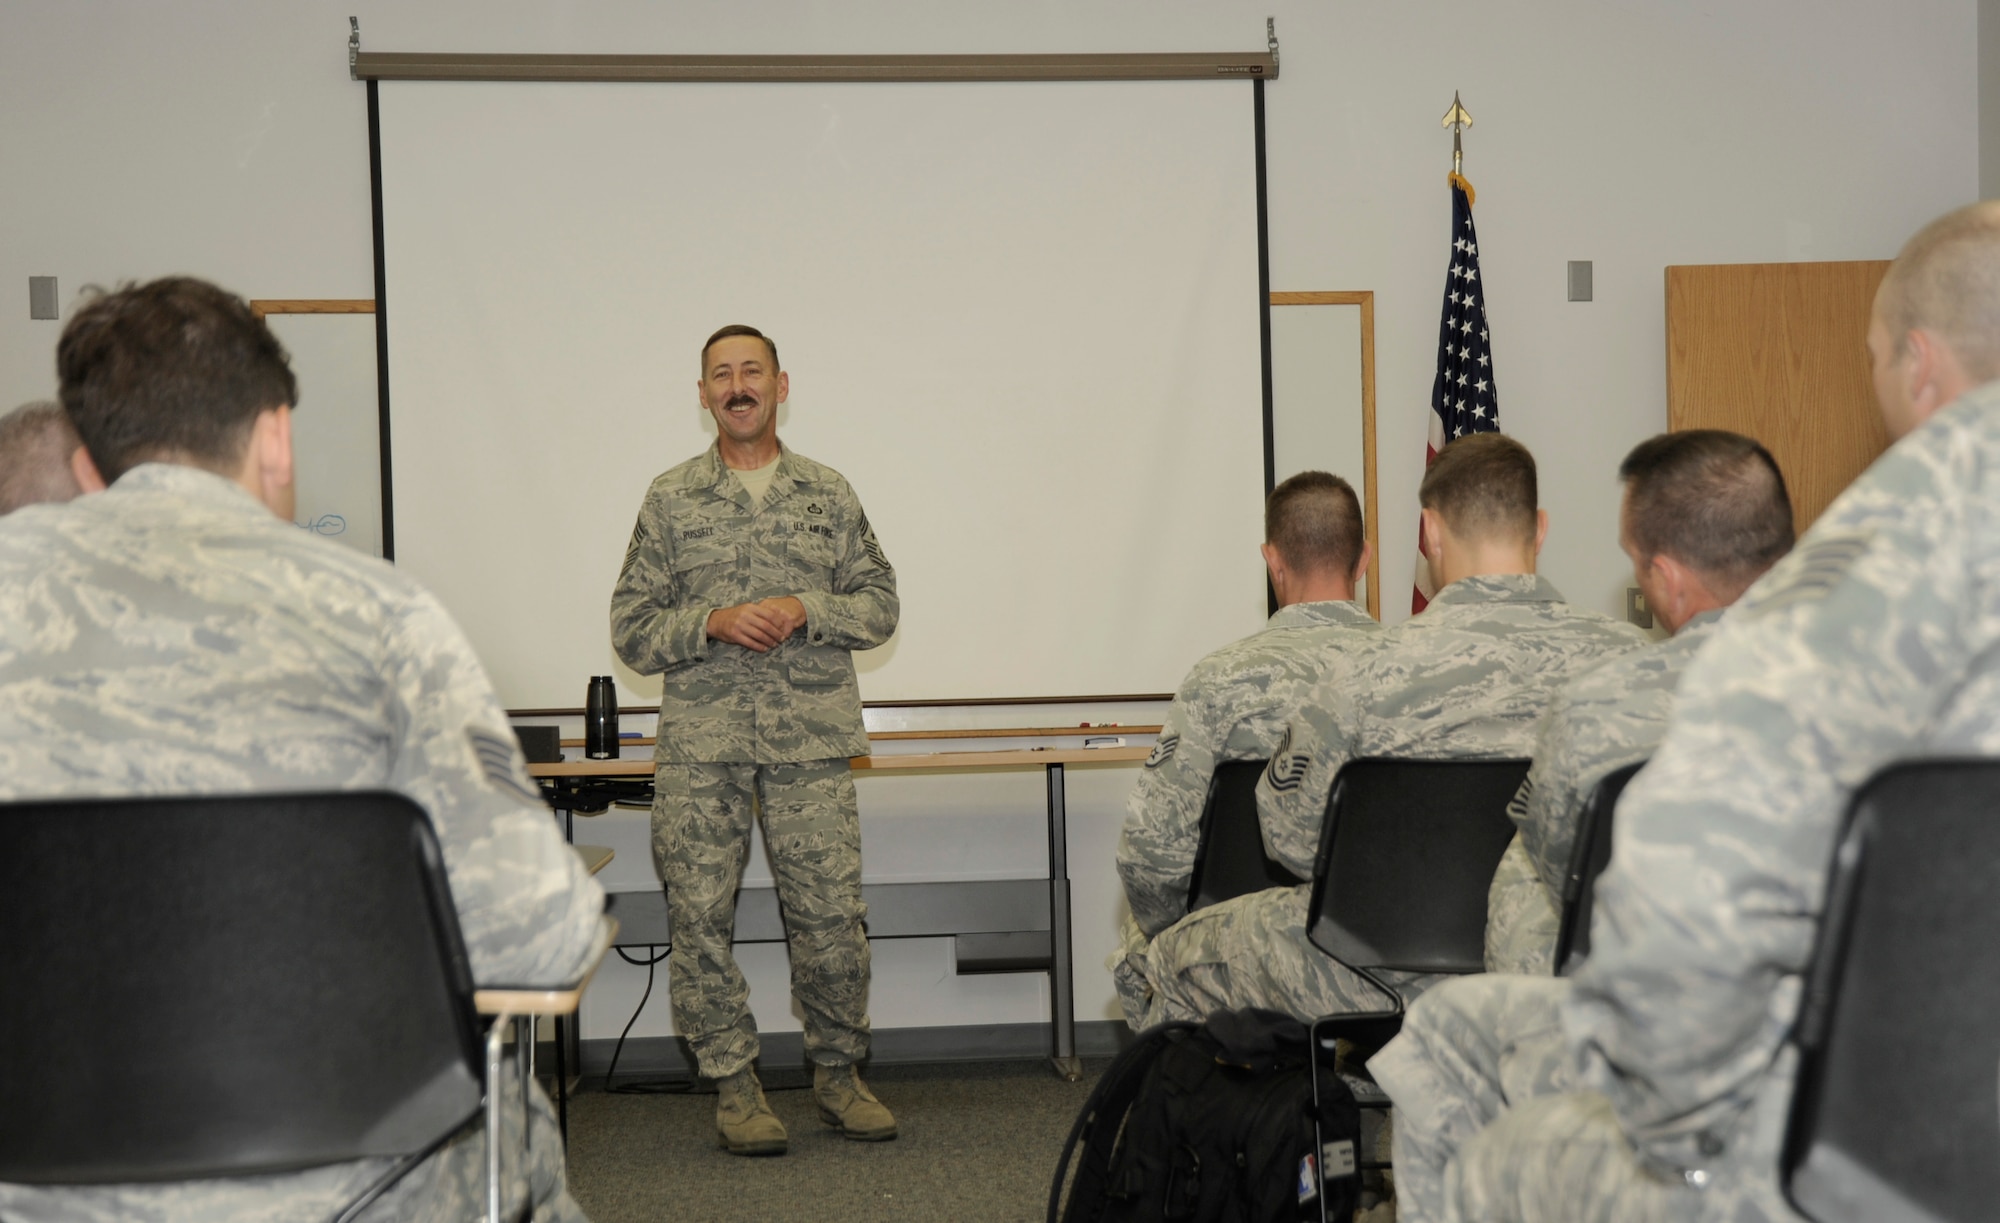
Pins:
<point x="382" y="319"/>
<point x="1263" y="307"/>
<point x="1263" y="287"/>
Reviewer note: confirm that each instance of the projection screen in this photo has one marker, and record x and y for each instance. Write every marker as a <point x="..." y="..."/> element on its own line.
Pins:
<point x="1022" y="319"/>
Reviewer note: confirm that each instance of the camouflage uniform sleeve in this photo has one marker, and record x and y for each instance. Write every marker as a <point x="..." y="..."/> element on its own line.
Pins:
<point x="1292" y="793"/>
<point x="1162" y="829"/>
<point x="650" y="628"/>
<point x="1838" y="661"/>
<point x="1522" y="921"/>
<point x="860" y="611"/>
<point x="1547" y="805"/>
<point x="527" y="909"/>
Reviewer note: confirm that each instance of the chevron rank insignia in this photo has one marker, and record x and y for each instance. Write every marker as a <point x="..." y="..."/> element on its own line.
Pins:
<point x="496" y="761"/>
<point x="1813" y="571"/>
<point x="1287" y="768"/>
<point x="1163" y="750"/>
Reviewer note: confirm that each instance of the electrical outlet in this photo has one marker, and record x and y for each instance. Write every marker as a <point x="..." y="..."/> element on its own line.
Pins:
<point x="1635" y="608"/>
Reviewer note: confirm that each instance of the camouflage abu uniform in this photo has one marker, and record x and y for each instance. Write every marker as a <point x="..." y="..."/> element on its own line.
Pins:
<point x="779" y="726"/>
<point x="1233" y="705"/>
<point x="1464" y="679"/>
<point x="1607" y="718"/>
<point x="173" y="636"/>
<point x="1873" y="641"/>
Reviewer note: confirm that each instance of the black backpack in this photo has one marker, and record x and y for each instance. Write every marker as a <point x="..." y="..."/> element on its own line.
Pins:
<point x="1213" y="1123"/>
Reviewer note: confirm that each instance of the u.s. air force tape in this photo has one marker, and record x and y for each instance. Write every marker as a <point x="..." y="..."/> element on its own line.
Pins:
<point x="496" y="761"/>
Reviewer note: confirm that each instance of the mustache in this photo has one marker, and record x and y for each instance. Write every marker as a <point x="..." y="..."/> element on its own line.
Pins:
<point x="741" y="401"/>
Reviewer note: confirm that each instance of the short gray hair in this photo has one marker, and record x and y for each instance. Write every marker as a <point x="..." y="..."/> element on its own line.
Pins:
<point x="1946" y="280"/>
<point x="36" y="442"/>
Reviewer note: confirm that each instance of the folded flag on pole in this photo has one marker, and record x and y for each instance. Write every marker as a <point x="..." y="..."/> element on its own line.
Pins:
<point x="1463" y="398"/>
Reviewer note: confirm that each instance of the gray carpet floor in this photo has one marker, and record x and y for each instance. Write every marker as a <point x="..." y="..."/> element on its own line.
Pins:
<point x="978" y="1141"/>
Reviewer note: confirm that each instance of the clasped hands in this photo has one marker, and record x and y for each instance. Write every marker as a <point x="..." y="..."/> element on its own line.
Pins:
<point x="758" y="626"/>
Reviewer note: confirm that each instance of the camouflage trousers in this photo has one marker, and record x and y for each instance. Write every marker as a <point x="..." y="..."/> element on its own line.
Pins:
<point x="1493" y="1125"/>
<point x="1490" y="1125"/>
<point x="1250" y="951"/>
<point x="1522" y="921"/>
<point x="701" y="839"/>
<point x="449" y="1187"/>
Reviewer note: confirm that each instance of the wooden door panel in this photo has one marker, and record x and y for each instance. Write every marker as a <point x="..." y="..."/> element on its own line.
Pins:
<point x="1778" y="351"/>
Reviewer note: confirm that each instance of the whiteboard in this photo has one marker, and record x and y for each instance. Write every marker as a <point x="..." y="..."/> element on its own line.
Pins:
<point x="336" y="426"/>
<point x="1023" y="320"/>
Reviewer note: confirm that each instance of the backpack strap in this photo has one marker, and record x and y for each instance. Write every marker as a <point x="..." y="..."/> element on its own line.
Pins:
<point x="1098" y="1124"/>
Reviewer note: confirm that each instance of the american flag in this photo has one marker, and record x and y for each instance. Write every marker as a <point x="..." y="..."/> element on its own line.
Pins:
<point x="1463" y="397"/>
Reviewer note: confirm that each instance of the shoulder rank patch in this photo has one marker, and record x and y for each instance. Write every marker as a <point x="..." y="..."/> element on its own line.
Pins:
<point x="1163" y="750"/>
<point x="1287" y="770"/>
<point x="874" y="551"/>
<point x="1816" y="569"/>
<point x="496" y="761"/>
<point x="1517" y="806"/>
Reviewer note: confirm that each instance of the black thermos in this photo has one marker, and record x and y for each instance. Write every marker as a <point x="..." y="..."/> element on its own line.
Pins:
<point x="600" y="719"/>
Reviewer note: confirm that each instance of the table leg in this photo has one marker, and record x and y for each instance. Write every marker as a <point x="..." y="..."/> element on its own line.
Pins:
<point x="524" y="1054"/>
<point x="1062" y="1001"/>
<point x="562" y="1080"/>
<point x="565" y="1033"/>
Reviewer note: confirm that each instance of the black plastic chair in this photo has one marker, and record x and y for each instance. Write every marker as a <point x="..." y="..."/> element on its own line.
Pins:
<point x="235" y="986"/>
<point x="1587" y="859"/>
<point x="1894" y="1114"/>
<point x="1230" y="860"/>
<point x="1406" y="859"/>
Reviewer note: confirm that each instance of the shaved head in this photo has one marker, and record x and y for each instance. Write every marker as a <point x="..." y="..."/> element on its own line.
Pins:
<point x="1314" y="521"/>
<point x="1946" y="281"/>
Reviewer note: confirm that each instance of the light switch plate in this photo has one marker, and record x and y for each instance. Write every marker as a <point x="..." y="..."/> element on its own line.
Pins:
<point x="42" y="298"/>
<point x="1579" y="280"/>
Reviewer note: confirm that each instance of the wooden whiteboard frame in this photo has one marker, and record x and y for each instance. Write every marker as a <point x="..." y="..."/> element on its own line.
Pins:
<point x="1364" y="298"/>
<point x="263" y="306"/>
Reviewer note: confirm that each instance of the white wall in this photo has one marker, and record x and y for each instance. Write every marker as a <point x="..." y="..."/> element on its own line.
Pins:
<point x="1989" y="99"/>
<point x="224" y="138"/>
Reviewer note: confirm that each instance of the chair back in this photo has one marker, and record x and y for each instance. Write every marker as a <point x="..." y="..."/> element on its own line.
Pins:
<point x="216" y="987"/>
<point x="1588" y="857"/>
<point x="1895" y="1113"/>
<point x="1406" y="858"/>
<point x="1230" y="861"/>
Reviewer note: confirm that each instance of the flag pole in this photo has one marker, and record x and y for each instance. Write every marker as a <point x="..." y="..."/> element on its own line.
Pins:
<point x="1458" y="119"/>
<point x="1464" y="398"/>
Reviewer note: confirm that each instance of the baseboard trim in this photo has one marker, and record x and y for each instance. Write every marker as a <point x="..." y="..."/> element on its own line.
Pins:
<point x="666" y="1057"/>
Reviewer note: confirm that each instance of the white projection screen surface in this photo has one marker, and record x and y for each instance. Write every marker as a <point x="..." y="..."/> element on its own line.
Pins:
<point x="1021" y="319"/>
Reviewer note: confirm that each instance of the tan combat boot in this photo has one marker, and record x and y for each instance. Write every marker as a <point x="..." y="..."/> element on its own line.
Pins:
<point x="845" y="1101"/>
<point x="743" y="1118"/>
